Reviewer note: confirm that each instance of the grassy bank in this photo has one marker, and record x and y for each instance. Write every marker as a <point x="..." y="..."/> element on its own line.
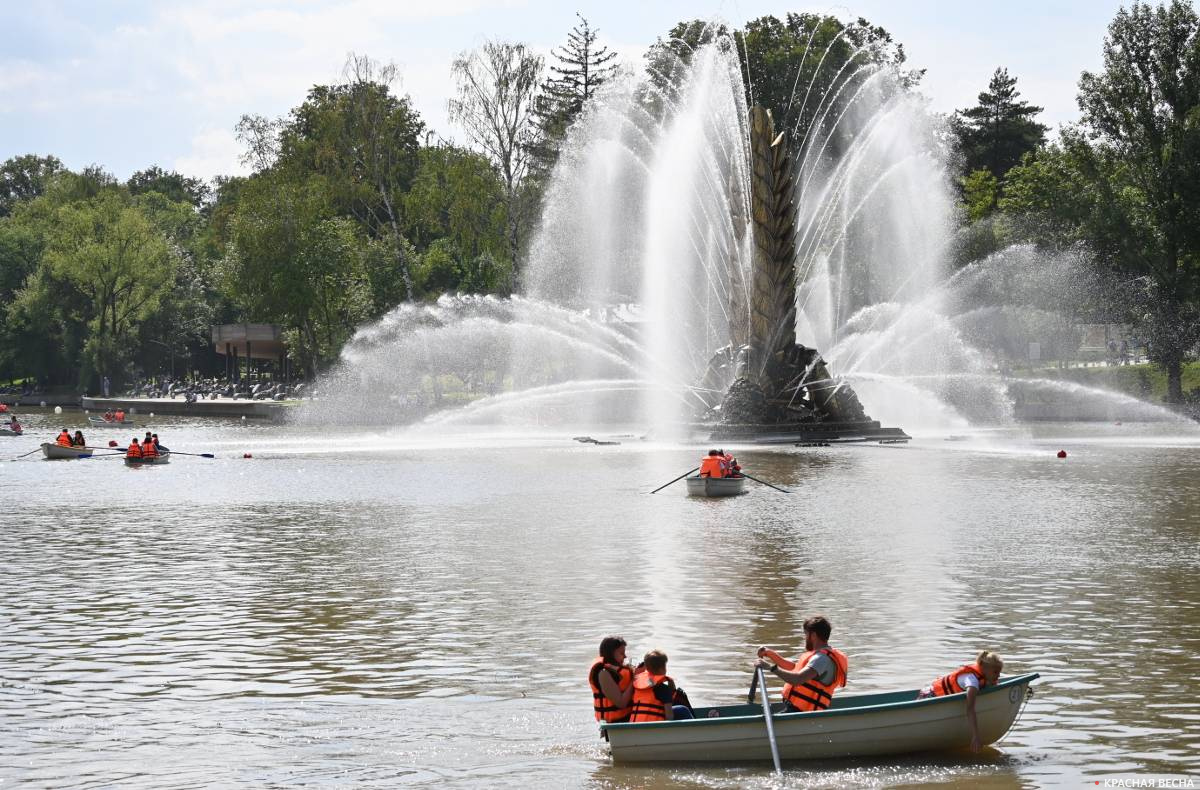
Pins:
<point x="1148" y="382"/>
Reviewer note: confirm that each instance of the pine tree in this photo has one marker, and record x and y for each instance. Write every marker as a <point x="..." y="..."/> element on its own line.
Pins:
<point x="583" y="66"/>
<point x="999" y="130"/>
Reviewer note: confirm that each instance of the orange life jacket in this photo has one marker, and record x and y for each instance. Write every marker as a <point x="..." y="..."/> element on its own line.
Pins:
<point x="815" y="695"/>
<point x="149" y="450"/>
<point x="119" y="416"/>
<point x="712" y="466"/>
<point x="646" y="706"/>
<point x="602" y="705"/>
<point x="134" y="451"/>
<point x="948" y="684"/>
<point x="64" y="439"/>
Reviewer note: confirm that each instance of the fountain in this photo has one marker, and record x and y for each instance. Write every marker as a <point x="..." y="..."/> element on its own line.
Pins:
<point x="688" y="264"/>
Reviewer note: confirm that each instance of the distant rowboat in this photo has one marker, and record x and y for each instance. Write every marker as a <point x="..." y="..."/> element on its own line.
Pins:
<point x="158" y="460"/>
<point x="116" y="423"/>
<point x="715" y="486"/>
<point x="55" y="451"/>
<point x="854" y="726"/>
<point x="9" y="432"/>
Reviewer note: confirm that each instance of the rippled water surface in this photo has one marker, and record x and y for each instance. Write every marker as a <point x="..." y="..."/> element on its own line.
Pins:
<point x="383" y="609"/>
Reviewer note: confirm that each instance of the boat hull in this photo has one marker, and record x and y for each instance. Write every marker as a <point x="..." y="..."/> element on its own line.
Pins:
<point x="856" y="726"/>
<point x="112" y="423"/>
<point x="59" y="452"/>
<point x="9" y="432"/>
<point x="157" y="460"/>
<point x="715" y="486"/>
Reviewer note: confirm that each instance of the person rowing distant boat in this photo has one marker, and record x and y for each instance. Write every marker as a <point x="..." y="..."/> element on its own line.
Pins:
<point x="713" y="465"/>
<point x="14" y="426"/>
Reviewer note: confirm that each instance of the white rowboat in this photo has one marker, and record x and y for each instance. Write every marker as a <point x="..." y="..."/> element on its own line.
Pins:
<point x="58" y="451"/>
<point x="715" y="486"/>
<point x="854" y="726"/>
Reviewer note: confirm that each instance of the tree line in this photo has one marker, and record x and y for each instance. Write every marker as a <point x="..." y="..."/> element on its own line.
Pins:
<point x="354" y="205"/>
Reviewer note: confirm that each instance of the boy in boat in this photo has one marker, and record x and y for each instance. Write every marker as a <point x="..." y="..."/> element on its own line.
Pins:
<point x="811" y="679"/>
<point x="970" y="678"/>
<point x="655" y="695"/>
<point x="135" y="450"/>
<point x="64" y="438"/>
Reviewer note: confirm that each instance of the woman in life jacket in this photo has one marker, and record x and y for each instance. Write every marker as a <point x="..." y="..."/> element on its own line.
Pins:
<point x="971" y="678"/>
<point x="810" y="680"/>
<point x="64" y="438"/>
<point x="655" y="695"/>
<point x="611" y="680"/>
<point x="713" y="464"/>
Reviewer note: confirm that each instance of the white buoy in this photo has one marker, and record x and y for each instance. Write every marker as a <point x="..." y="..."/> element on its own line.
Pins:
<point x="243" y="416"/>
<point x="42" y="404"/>
<point x="151" y="414"/>
<point x="58" y="409"/>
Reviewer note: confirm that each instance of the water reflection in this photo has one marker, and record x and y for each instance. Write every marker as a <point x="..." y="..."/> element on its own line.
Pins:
<point x="425" y="615"/>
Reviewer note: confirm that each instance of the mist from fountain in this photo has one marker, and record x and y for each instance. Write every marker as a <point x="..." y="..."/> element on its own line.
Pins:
<point x="637" y="274"/>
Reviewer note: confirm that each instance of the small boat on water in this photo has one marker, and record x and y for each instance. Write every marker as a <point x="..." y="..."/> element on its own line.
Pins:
<point x="859" y="725"/>
<point x="715" y="486"/>
<point x="158" y="460"/>
<point x="114" y="423"/>
<point x="9" y="432"/>
<point x="55" y="451"/>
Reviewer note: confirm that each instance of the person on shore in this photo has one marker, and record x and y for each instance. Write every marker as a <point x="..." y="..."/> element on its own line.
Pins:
<point x="713" y="464"/>
<point x="104" y="385"/>
<point x="77" y="440"/>
<point x="811" y="679"/>
<point x="134" y="450"/>
<point x="971" y="678"/>
<point x="611" y="679"/>
<point x="655" y="692"/>
<point x="64" y="438"/>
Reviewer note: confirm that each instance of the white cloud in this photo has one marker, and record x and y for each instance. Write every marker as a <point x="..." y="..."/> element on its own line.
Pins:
<point x="214" y="152"/>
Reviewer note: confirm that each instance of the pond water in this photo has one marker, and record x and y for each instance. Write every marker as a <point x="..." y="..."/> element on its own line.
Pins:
<point x="354" y="609"/>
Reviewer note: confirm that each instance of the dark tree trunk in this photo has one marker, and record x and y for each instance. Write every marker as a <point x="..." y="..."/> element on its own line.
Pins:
<point x="1174" y="368"/>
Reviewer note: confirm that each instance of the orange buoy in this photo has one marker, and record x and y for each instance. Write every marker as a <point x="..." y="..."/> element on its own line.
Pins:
<point x="112" y="442"/>
<point x="1062" y="453"/>
<point x="247" y="455"/>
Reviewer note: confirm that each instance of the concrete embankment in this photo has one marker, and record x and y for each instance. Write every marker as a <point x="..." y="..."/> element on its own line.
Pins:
<point x="221" y="407"/>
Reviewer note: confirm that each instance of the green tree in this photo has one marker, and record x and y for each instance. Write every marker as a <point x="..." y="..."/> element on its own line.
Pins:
<point x="496" y="86"/>
<point x="1128" y="180"/>
<point x="108" y="252"/>
<point x="175" y="187"/>
<point x="24" y="178"/>
<point x="1000" y="129"/>
<point x="981" y="193"/>
<point x="582" y="66"/>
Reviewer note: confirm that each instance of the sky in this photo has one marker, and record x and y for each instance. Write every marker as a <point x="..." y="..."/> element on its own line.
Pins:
<point x="127" y="84"/>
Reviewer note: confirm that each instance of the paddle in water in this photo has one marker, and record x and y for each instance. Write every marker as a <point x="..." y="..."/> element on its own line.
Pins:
<point x="685" y="474"/>
<point x="766" y="706"/>
<point x="34" y="450"/>
<point x="764" y="482"/>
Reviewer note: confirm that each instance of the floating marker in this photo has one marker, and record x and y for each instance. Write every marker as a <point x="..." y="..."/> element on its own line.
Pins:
<point x="1062" y="453"/>
<point x="151" y="414"/>
<point x="42" y="404"/>
<point x="246" y="455"/>
<point x="112" y="442"/>
<point x="58" y="409"/>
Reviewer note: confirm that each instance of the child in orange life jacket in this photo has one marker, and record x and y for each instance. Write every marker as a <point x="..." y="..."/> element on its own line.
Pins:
<point x="971" y="678"/>
<point x="655" y="695"/>
<point x="713" y="465"/>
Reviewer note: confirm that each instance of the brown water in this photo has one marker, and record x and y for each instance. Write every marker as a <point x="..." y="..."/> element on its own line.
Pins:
<point x="378" y="610"/>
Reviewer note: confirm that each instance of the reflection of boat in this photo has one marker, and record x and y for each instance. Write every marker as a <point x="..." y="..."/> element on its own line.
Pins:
<point x="715" y="486"/>
<point x="159" y="459"/>
<point x="53" y="450"/>
<point x="115" y="423"/>
<point x="854" y="726"/>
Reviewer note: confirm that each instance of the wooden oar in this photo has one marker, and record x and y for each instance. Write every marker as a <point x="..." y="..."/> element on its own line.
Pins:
<point x="31" y="452"/>
<point x="764" y="482"/>
<point x="766" y="706"/>
<point x="685" y="474"/>
<point x="198" y="455"/>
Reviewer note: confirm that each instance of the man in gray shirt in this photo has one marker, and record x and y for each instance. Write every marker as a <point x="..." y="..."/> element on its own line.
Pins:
<point x="812" y="678"/>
